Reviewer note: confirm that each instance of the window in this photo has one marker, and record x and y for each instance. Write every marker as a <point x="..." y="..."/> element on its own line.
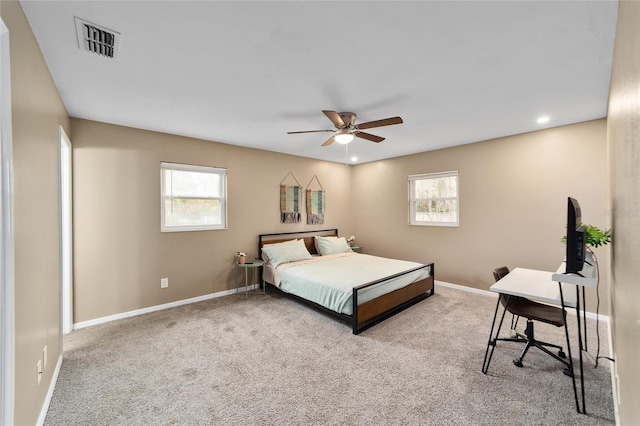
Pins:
<point x="433" y="199"/>
<point x="193" y="197"/>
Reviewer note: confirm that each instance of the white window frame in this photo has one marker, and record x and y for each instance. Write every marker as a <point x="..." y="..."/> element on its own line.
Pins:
<point x="164" y="166"/>
<point x="412" y="201"/>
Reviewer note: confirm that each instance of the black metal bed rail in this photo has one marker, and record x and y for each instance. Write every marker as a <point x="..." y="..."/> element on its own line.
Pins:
<point x="360" y="327"/>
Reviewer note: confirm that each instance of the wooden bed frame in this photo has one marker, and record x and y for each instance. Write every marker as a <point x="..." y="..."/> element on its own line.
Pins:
<point x="369" y="313"/>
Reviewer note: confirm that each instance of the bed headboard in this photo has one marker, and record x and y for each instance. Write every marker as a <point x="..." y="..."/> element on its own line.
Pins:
<point x="307" y="236"/>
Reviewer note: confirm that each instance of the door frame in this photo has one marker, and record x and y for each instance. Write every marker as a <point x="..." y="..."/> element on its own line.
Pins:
<point x="66" y="233"/>
<point x="7" y="277"/>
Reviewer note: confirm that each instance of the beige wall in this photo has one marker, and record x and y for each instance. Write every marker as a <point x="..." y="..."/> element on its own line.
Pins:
<point x="513" y="203"/>
<point x="121" y="255"/>
<point x="510" y="187"/>
<point x="624" y="167"/>
<point x="36" y="112"/>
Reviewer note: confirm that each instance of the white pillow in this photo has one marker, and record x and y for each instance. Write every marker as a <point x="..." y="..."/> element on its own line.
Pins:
<point x="289" y="251"/>
<point x="265" y="257"/>
<point x="331" y="245"/>
<point x="316" y="242"/>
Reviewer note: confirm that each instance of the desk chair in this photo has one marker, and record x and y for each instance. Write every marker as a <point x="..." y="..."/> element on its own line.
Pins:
<point x="522" y="307"/>
<point x="498" y="274"/>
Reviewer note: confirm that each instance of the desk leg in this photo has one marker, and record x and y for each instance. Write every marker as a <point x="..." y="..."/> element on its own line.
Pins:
<point x="491" y="344"/>
<point x="584" y="316"/>
<point x="580" y="345"/>
<point x="566" y="332"/>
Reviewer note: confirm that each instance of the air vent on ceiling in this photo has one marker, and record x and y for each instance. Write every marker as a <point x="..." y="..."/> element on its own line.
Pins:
<point x="96" y="39"/>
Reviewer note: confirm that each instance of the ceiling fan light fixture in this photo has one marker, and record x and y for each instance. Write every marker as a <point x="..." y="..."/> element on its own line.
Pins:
<point x="343" y="137"/>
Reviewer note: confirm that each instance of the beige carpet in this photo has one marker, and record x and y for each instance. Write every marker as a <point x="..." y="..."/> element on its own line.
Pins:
<point x="268" y="360"/>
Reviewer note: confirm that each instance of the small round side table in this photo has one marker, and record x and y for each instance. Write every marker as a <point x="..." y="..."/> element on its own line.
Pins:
<point x="249" y="265"/>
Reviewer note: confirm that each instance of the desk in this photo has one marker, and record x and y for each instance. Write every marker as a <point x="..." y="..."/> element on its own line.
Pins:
<point x="553" y="288"/>
<point x="535" y="285"/>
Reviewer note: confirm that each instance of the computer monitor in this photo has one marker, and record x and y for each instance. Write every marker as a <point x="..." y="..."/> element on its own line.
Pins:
<point x="576" y="241"/>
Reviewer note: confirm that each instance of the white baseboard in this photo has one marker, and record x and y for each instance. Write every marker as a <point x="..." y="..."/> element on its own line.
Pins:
<point x="155" y="308"/>
<point x="615" y="379"/>
<point x="590" y="315"/>
<point x="52" y="386"/>
<point x="465" y="288"/>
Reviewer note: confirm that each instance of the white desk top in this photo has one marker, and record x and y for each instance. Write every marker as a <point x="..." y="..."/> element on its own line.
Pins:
<point x="588" y="278"/>
<point x="535" y="285"/>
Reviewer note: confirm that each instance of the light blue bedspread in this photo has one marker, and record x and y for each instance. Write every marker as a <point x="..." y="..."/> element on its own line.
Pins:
<point x="329" y="280"/>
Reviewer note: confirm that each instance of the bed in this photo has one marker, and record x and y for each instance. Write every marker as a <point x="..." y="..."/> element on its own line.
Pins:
<point x="318" y="269"/>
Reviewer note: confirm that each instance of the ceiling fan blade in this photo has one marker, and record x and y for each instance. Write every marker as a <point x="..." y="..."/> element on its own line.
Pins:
<point x="369" y="137"/>
<point x="334" y="117"/>
<point x="310" y="131"/>
<point x="380" y="123"/>
<point x="329" y="141"/>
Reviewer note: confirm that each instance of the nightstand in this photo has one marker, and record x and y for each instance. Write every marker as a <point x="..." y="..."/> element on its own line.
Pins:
<point x="357" y="249"/>
<point x="250" y="265"/>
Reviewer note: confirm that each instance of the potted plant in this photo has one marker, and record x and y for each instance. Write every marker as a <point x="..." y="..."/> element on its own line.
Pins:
<point x="351" y="240"/>
<point x="594" y="238"/>
<point x="242" y="257"/>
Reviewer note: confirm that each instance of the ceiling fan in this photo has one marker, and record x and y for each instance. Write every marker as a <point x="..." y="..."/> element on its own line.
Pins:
<point x="347" y="129"/>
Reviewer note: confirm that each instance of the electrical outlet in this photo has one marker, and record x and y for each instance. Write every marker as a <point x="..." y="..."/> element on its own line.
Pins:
<point x="44" y="358"/>
<point x="164" y="282"/>
<point x="38" y="372"/>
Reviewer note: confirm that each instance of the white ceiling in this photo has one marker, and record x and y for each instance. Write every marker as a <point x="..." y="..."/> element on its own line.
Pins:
<point x="245" y="73"/>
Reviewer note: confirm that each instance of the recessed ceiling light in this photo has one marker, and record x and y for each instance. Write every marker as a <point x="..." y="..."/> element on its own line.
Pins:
<point x="543" y="119"/>
<point x="354" y="159"/>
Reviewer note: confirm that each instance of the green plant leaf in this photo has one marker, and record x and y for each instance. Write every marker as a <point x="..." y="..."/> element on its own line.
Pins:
<point x="595" y="237"/>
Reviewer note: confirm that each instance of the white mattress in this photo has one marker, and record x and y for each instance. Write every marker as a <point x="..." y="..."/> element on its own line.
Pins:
<point x="329" y="280"/>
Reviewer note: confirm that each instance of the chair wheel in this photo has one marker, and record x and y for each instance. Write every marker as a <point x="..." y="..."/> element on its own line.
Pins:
<point x="517" y="363"/>
<point x="567" y="372"/>
<point x="561" y="354"/>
